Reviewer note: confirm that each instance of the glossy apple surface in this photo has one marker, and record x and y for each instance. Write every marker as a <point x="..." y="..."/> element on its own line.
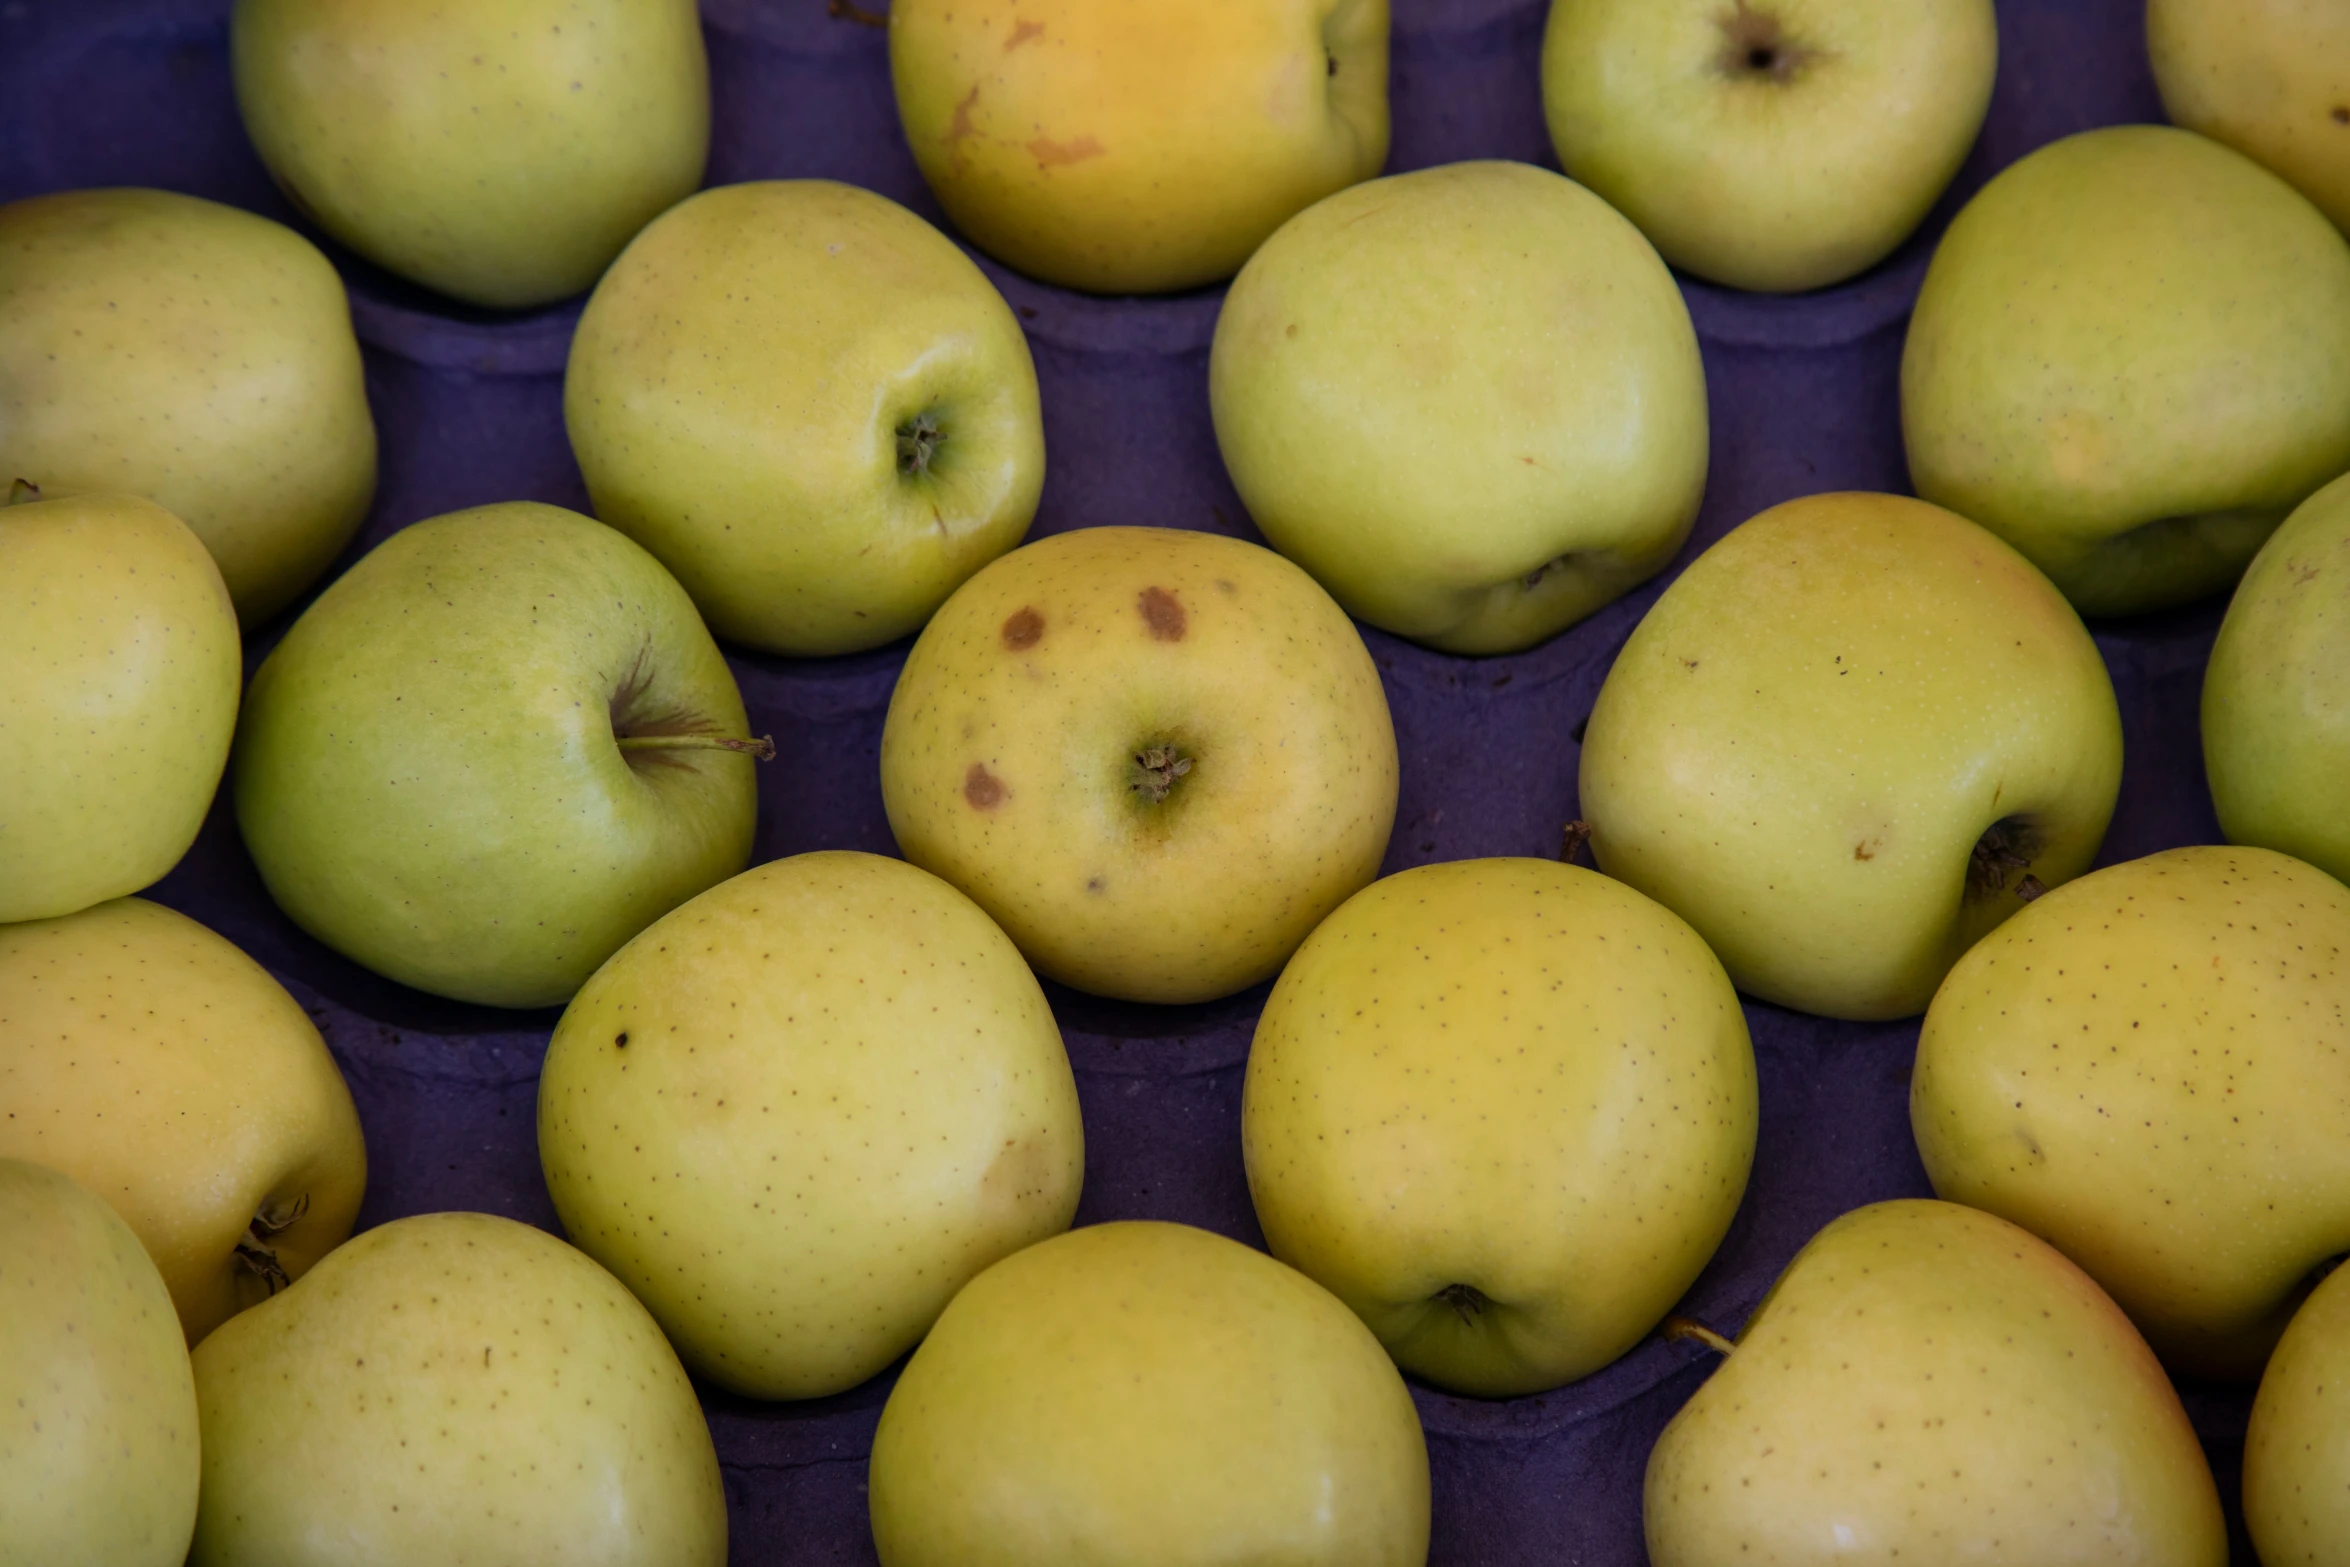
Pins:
<point x="2297" y="1448"/>
<point x="2271" y="78"/>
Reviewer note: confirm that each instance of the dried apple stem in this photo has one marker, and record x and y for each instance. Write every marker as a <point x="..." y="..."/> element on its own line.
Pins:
<point x="1690" y="1331"/>
<point x="763" y="747"/>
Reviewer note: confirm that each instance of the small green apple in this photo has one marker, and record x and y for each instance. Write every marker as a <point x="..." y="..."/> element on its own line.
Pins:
<point x="811" y="406"/>
<point x="798" y="1113"/>
<point x="453" y="1388"/>
<point x="1148" y="1395"/>
<point x="2271" y="78"/>
<point x="2276" y="697"/>
<point x="98" y="1436"/>
<point x="158" y="345"/>
<point x="2130" y="359"/>
<point x="1468" y="400"/>
<point x="1508" y="1171"/>
<point x="1139" y="147"/>
<point x="1768" y="144"/>
<point x="119" y="668"/>
<point x="1853" y="737"/>
<point x="501" y="151"/>
<point x="2297" y="1449"/>
<point x="1926" y="1383"/>
<point x="495" y="749"/>
<point x="1156" y="758"/>
<point x="2146" y="1069"/>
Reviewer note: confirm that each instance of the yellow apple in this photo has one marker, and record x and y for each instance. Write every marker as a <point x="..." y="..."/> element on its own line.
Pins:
<point x="1148" y="1395"/>
<point x="1509" y="1171"/>
<point x="1468" y="400"/>
<point x="1157" y="758"/>
<point x="1926" y="1383"/>
<point x="2130" y="359"/>
<point x="163" y="346"/>
<point x="2297" y="1450"/>
<point x="2147" y="1069"/>
<point x="798" y="1113"/>
<point x="813" y="409"/>
<point x="1846" y="743"/>
<point x="98" y="1438"/>
<point x="2271" y="78"/>
<point x="1138" y="147"/>
<point x="166" y="1071"/>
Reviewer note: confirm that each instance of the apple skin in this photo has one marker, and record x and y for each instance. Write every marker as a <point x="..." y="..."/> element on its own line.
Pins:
<point x="1778" y="145"/>
<point x="742" y="390"/>
<point x="453" y="1387"/>
<point x="1142" y="147"/>
<point x="2270" y="78"/>
<point x="159" y="345"/>
<point x="1013" y="758"/>
<point x="166" y="1071"/>
<point x="2297" y="1449"/>
<point x="2137" y="1068"/>
<point x="1437" y="1098"/>
<point x="2130" y="359"/>
<point x="1148" y="1395"/>
<point x="1468" y="400"/>
<point x="2276" y="696"/>
<point x="1839" y="743"/>
<point x="500" y="151"/>
<point x="1925" y="1382"/>
<point x="98" y="1434"/>
<point x="443" y="770"/>
<point x="123" y="665"/>
<point x="797" y="1114"/>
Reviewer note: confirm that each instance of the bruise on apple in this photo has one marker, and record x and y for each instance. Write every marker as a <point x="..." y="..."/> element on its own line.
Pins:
<point x="983" y="789"/>
<point x="1162" y="613"/>
<point x="1023" y="630"/>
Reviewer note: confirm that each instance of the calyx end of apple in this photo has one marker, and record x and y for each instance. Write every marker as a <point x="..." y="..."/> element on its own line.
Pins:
<point x="1466" y="1300"/>
<point x="919" y="439"/>
<point x="1156" y="770"/>
<point x="23" y="492"/>
<point x="2002" y="858"/>
<point x="256" y="1253"/>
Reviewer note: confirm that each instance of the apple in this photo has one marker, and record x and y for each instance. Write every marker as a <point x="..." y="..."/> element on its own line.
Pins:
<point x="2276" y="697"/>
<point x="495" y="749"/>
<point x="2271" y="78"/>
<point x="1139" y="147"/>
<point x="1777" y="145"/>
<point x="798" y="1113"/>
<point x="812" y="407"/>
<point x="159" y="345"/>
<point x="98" y="1440"/>
<point x="1508" y="1171"/>
<point x="166" y="1071"/>
<point x="1146" y="1393"/>
<point x="121" y="660"/>
<point x="453" y="1387"/>
<point x="2130" y="359"/>
<point x="2297" y="1450"/>
<point x="500" y="151"/>
<point x="2146" y="1069"/>
<point x="1468" y="400"/>
<point x="1855" y="735"/>
<point x="1156" y="758"/>
<point x="1925" y="1382"/>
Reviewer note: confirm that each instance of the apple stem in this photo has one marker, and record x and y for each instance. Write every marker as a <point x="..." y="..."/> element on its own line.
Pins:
<point x="23" y="492"/>
<point x="843" y="11"/>
<point x="763" y="747"/>
<point x="1578" y="835"/>
<point x="1688" y="1330"/>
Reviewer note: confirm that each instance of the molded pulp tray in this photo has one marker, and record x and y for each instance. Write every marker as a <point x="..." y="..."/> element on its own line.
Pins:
<point x="102" y="92"/>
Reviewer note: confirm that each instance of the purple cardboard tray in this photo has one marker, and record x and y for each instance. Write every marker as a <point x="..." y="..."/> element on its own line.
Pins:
<point x="1803" y="392"/>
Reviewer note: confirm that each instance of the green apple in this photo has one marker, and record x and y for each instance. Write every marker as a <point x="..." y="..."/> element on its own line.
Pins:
<point x="453" y="1388"/>
<point x="1156" y="758"/>
<point x="166" y="1071"/>
<point x="2271" y="78"/>
<point x="98" y="1438"/>
<point x="2276" y="697"/>
<point x="163" y="346"/>
<point x="812" y="407"/>
<point x="1468" y="400"/>
<point x="2146" y="1069"/>
<point x="1928" y="1383"/>
<point x="1854" y="736"/>
<point x="2297" y="1450"/>
<point x="501" y="151"/>
<point x="1148" y="1395"/>
<point x="119" y="667"/>
<point x="2130" y="359"/>
<point x="491" y="752"/>
<point x="1768" y="144"/>
<point x="1139" y="147"/>
<point x="798" y="1113"/>
<point x="1509" y="1172"/>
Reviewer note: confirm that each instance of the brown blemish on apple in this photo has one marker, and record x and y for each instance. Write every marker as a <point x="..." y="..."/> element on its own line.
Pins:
<point x="2341" y="114"/>
<point x="1050" y="154"/>
<point x="982" y="788"/>
<point x="1163" y="613"/>
<point x="1867" y="848"/>
<point x="960" y="126"/>
<point x="1224" y="586"/>
<point x="1021" y="1173"/>
<point x="1289" y="330"/>
<point x="2303" y="573"/>
<point x="1021" y="33"/>
<point x="1023" y="629"/>
<point x="1093" y="884"/>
